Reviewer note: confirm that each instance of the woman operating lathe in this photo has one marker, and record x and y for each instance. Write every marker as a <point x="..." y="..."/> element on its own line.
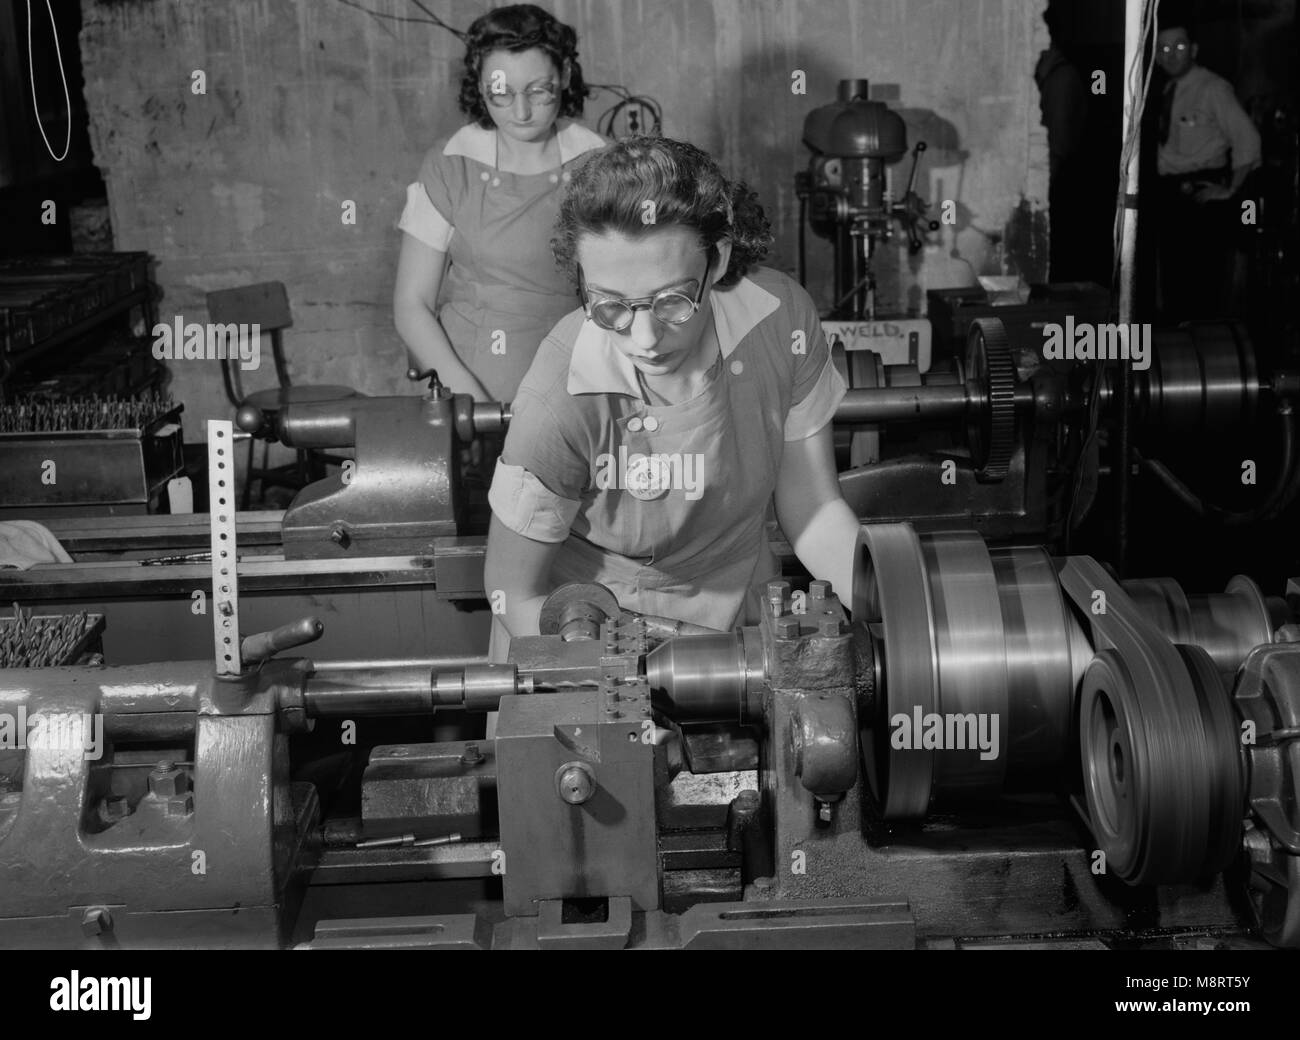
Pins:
<point x="487" y="198"/>
<point x="657" y="422"/>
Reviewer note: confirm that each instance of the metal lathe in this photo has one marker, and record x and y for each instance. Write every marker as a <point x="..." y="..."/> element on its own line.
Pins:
<point x="998" y="743"/>
<point x="988" y="740"/>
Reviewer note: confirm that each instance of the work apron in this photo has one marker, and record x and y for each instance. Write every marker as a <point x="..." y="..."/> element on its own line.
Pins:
<point x="503" y="290"/>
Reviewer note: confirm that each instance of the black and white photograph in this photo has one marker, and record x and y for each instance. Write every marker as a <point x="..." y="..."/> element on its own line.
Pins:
<point x="604" y="475"/>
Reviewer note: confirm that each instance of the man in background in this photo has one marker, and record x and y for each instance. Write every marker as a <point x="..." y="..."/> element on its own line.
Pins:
<point x="1207" y="146"/>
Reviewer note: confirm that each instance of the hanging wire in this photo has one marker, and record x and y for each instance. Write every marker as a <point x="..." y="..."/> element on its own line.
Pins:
<point x="644" y="114"/>
<point x="31" y="71"/>
<point x="1137" y="82"/>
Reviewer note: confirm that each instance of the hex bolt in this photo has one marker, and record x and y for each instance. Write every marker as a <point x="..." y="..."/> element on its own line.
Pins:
<point x="825" y="812"/>
<point x="787" y="628"/>
<point x="226" y="608"/>
<point x="574" y="782"/>
<point x="166" y="780"/>
<point x="340" y="537"/>
<point x="471" y="756"/>
<point x="764" y="884"/>
<point x="112" y="809"/>
<point x="96" y="921"/>
<point x="776" y="593"/>
<point x="180" y="805"/>
<point x="830" y="626"/>
<point x="819" y="589"/>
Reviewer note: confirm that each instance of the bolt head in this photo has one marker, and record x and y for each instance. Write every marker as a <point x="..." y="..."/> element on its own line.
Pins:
<point x="180" y="805"/>
<point x="829" y="626"/>
<point x="168" y="783"/>
<point x="819" y="589"/>
<point x="113" y="808"/>
<point x="574" y="783"/>
<point x="96" y="920"/>
<point x="787" y="628"/>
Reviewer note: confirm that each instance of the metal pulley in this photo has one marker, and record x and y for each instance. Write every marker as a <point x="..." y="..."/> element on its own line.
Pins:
<point x="1158" y="741"/>
<point x="978" y="650"/>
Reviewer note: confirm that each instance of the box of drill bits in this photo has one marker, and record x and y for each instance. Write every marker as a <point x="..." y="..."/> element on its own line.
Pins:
<point x="41" y="297"/>
<point x="62" y="456"/>
<point x="30" y="640"/>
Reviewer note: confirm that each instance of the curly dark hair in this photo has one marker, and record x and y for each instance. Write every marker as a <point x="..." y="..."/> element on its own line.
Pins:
<point x="609" y="191"/>
<point x="518" y="28"/>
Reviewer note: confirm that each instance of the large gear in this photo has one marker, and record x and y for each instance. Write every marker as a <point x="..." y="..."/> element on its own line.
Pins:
<point x="991" y="433"/>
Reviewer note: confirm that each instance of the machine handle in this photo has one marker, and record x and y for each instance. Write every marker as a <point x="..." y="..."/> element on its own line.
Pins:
<point x="251" y="419"/>
<point x="431" y="374"/>
<point x="266" y="645"/>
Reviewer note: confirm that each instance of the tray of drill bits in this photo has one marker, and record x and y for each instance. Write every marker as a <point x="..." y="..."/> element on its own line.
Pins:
<point x="42" y="296"/>
<point x="87" y="451"/>
<point x="87" y="414"/>
<point x="30" y="640"/>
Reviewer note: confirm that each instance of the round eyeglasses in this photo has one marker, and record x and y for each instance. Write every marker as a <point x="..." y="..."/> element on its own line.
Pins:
<point x="672" y="306"/>
<point x="504" y="97"/>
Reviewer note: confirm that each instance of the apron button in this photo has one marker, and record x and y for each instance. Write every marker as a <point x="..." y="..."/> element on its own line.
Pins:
<point x="737" y="367"/>
<point x="555" y="179"/>
<point x="567" y="176"/>
<point x="651" y="423"/>
<point x="485" y="176"/>
<point x="496" y="182"/>
<point x="634" y="424"/>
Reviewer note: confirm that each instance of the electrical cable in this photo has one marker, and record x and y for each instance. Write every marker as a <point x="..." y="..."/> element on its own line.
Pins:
<point x="1279" y="498"/>
<point x="31" y="71"/>
<point x="1137" y="83"/>
<point x="642" y="108"/>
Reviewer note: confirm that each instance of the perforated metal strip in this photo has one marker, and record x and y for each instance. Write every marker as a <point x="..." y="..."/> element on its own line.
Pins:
<point x="225" y="578"/>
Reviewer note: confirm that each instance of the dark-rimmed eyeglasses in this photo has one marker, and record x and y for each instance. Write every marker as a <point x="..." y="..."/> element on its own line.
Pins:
<point x="671" y="306"/>
<point x="504" y="97"/>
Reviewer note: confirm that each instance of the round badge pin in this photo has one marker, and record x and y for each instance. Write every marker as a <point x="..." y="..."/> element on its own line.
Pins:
<point x="648" y="477"/>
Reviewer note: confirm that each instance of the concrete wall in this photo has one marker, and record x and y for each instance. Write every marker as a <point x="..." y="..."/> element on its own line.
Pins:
<point x="313" y="102"/>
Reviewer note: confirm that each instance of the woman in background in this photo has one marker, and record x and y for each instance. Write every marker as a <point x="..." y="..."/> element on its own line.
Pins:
<point x="487" y="198"/>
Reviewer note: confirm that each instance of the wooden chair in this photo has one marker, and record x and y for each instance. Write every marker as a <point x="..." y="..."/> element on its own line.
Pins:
<point x="266" y="304"/>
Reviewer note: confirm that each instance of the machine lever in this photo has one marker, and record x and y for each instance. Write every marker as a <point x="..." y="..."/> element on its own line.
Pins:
<point x="431" y="374"/>
<point x="266" y="645"/>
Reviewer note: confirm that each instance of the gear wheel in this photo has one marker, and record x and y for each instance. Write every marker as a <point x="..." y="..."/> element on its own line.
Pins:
<point x="991" y="433"/>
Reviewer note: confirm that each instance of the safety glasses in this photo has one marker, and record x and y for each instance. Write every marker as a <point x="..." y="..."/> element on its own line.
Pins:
<point x="671" y="306"/>
<point x="540" y="96"/>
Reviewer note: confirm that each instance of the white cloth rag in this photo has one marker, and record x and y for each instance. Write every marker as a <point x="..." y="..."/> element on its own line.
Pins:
<point x="25" y="543"/>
